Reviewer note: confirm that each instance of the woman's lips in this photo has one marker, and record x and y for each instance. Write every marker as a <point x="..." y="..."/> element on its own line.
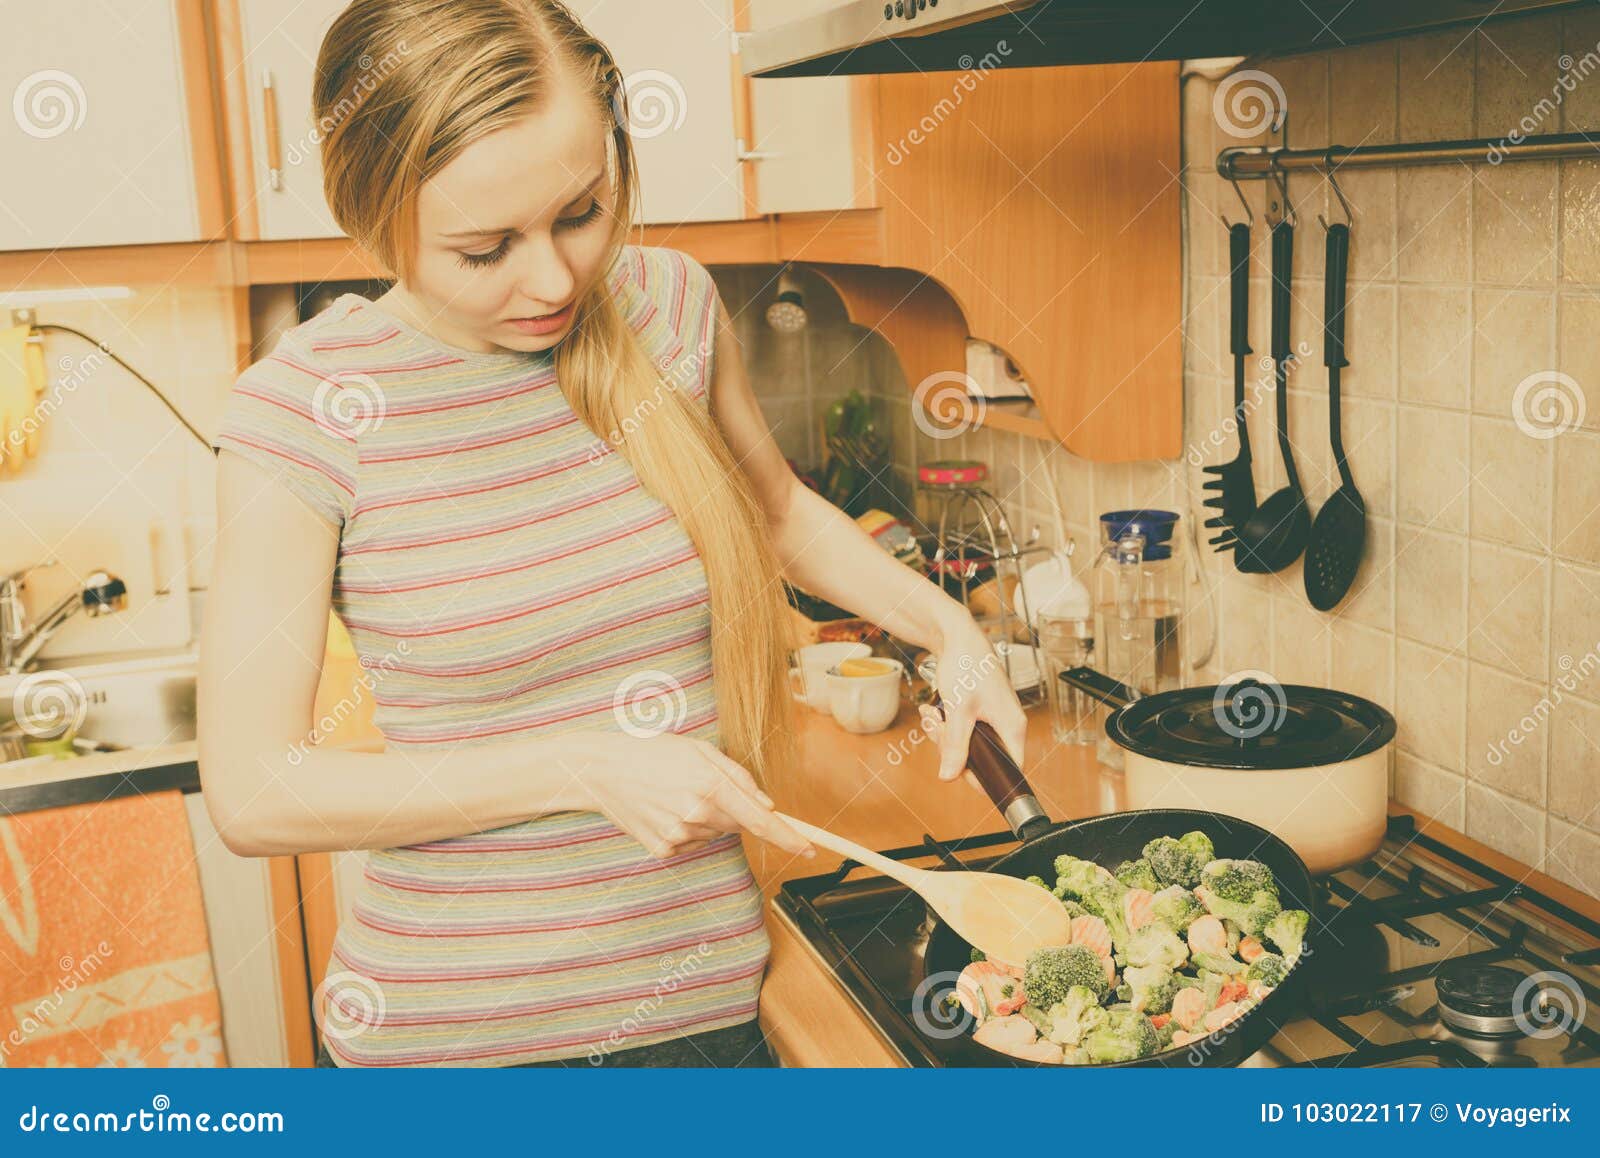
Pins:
<point x="545" y="324"/>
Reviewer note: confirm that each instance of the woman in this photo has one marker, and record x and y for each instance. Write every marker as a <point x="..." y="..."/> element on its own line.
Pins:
<point x="532" y="481"/>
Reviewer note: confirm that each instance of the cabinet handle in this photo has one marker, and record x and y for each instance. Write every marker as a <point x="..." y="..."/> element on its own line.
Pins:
<point x="269" y="121"/>
<point x="743" y="154"/>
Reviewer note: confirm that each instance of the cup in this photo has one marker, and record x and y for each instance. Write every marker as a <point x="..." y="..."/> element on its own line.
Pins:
<point x="866" y="703"/>
<point x="808" y="677"/>
<point x="1068" y="642"/>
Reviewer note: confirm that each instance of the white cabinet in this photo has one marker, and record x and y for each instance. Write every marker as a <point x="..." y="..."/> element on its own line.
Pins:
<point x="811" y="132"/>
<point x="99" y="143"/>
<point x="269" y="54"/>
<point x="676" y="59"/>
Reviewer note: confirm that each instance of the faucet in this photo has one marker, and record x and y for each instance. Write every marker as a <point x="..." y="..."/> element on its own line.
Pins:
<point x="100" y="594"/>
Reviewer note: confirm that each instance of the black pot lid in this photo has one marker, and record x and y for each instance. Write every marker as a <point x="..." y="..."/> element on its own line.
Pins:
<point x="1252" y="724"/>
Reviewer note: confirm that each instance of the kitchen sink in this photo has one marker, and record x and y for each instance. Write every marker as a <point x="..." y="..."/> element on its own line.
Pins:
<point x="130" y="701"/>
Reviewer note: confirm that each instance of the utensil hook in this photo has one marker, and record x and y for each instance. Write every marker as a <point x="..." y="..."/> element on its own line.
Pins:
<point x="1249" y="215"/>
<point x="1328" y="171"/>
<point x="1287" y="212"/>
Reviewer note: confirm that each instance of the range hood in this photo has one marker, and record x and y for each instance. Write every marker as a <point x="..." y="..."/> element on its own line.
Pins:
<point x="885" y="36"/>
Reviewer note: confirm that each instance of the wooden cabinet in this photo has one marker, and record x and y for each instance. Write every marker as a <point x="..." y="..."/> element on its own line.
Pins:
<point x="811" y="137"/>
<point x="268" y="53"/>
<point x="109" y="138"/>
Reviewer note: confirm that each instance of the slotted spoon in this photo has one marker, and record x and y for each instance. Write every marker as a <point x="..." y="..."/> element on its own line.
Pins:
<point x="1233" y="488"/>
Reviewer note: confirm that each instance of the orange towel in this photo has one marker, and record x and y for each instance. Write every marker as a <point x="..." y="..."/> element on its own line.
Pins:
<point x="104" y="957"/>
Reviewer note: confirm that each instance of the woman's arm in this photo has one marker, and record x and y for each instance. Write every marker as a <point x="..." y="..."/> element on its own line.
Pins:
<point x="269" y="793"/>
<point x="827" y="553"/>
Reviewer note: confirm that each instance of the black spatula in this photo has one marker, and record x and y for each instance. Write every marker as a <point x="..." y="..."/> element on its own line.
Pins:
<point x="1233" y="489"/>
<point x="1273" y="537"/>
<point x="1339" y="535"/>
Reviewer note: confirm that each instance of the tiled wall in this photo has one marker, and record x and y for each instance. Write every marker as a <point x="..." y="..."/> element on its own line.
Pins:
<point x="1476" y="615"/>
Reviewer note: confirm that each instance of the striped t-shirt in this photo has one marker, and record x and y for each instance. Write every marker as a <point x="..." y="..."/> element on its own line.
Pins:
<point x="503" y="573"/>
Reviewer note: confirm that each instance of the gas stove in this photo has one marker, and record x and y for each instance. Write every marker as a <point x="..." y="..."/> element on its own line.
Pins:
<point x="1422" y="957"/>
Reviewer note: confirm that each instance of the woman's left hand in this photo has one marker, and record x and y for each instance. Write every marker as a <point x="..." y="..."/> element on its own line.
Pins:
<point x="973" y="685"/>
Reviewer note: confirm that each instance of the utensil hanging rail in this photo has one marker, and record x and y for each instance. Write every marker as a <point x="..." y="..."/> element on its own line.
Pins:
<point x="1257" y="161"/>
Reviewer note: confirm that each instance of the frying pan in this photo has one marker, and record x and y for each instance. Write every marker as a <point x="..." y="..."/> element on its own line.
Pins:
<point x="1109" y="840"/>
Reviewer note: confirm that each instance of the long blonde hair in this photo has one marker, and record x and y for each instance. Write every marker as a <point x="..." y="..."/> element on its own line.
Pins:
<point x="402" y="87"/>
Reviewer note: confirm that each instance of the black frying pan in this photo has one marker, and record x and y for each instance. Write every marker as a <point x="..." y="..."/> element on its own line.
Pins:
<point x="1109" y="840"/>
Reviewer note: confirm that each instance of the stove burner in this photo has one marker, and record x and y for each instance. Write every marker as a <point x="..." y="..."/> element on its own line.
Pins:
<point x="1478" y="999"/>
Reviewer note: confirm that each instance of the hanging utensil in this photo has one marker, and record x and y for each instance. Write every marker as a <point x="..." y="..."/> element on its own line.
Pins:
<point x="1275" y="534"/>
<point x="1233" y="486"/>
<point x="1339" y="535"/>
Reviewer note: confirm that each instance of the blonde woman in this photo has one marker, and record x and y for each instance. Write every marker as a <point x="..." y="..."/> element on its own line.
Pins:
<point x="532" y="481"/>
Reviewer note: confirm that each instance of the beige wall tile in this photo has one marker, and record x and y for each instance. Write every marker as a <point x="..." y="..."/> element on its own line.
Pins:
<point x="1371" y="194"/>
<point x="1435" y="345"/>
<point x="1516" y="70"/>
<point x="1300" y="639"/>
<point x="1430" y="790"/>
<point x="1369" y="434"/>
<point x="1574" y="857"/>
<point x="1510" y="485"/>
<point x="1580" y="40"/>
<point x="1305" y="88"/>
<point x="1363" y="662"/>
<point x="1432" y="463"/>
<point x="1434" y="240"/>
<point x="1575" y="761"/>
<point x="1436" y="86"/>
<point x="1512" y="338"/>
<point x="1580" y="221"/>
<point x="1574" y="616"/>
<point x="1506" y="604"/>
<point x="1514" y="223"/>
<point x="1246" y="642"/>
<point x="1369" y="341"/>
<point x="1371" y="598"/>
<point x="1430" y="588"/>
<point x="1577" y="508"/>
<point x="1430" y="703"/>
<point x="1505" y="742"/>
<point x="1578" y="342"/>
<point x="1362" y="81"/>
<point x="1515" y="828"/>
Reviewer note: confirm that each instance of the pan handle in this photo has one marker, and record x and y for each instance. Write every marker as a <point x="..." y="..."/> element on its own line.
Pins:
<point x="1101" y="687"/>
<point x="1002" y="780"/>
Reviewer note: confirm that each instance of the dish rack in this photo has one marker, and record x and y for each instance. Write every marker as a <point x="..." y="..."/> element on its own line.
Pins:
<point x="974" y="535"/>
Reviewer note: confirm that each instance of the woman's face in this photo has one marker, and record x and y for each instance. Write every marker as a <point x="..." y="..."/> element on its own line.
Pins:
<point x="513" y="231"/>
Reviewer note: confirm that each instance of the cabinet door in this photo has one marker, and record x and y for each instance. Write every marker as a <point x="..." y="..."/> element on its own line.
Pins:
<point x="811" y="132"/>
<point x="276" y="49"/>
<point x="98" y="149"/>
<point x="677" y="61"/>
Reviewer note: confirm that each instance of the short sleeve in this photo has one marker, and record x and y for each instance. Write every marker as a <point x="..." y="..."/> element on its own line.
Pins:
<point x="685" y="301"/>
<point x="300" y="425"/>
<point x="698" y="328"/>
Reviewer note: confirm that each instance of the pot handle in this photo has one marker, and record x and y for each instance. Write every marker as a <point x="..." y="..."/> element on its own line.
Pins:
<point x="1101" y="687"/>
<point x="1002" y="780"/>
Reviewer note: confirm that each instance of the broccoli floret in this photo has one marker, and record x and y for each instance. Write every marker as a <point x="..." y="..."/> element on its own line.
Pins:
<point x="1137" y="874"/>
<point x="1074" y="1016"/>
<point x="1074" y="877"/>
<point x="1155" y="944"/>
<point x="1050" y="972"/>
<point x="1211" y="983"/>
<point x="1178" y="861"/>
<point x="1176" y="908"/>
<point x="1219" y="963"/>
<point x="1125" y="1036"/>
<point x="1269" y="969"/>
<point x="1073" y="908"/>
<point x="1148" y="988"/>
<point x="1036" y="880"/>
<point x="1238" y="880"/>
<point x="1288" y="932"/>
<point x="1231" y="927"/>
<point x="978" y="955"/>
<point x="1164" y="1033"/>
<point x="1241" y="891"/>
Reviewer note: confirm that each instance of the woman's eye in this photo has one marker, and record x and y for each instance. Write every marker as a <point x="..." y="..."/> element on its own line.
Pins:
<point x="583" y="218"/>
<point x="480" y="260"/>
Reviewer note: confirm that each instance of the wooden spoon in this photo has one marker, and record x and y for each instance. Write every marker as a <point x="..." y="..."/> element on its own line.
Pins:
<point x="1005" y="917"/>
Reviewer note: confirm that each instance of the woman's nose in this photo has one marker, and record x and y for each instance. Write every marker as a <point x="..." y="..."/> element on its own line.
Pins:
<point x="546" y="281"/>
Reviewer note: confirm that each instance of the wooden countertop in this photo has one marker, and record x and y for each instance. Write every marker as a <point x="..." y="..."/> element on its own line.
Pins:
<point x="883" y="791"/>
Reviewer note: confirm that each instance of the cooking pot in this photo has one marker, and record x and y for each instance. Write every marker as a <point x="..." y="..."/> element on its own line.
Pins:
<point x="1309" y="764"/>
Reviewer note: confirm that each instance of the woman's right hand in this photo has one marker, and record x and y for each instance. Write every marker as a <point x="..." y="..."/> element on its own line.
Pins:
<point x="670" y="792"/>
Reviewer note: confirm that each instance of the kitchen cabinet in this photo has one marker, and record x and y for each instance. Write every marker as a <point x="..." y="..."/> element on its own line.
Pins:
<point x="267" y="53"/>
<point x="111" y="140"/>
<point x="676" y="61"/>
<point x="812" y="137"/>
